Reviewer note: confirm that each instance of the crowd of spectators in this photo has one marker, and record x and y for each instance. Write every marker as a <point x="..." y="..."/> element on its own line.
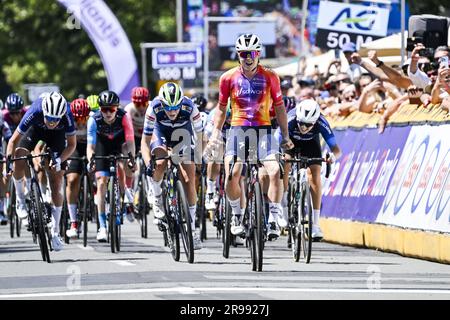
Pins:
<point x="369" y="85"/>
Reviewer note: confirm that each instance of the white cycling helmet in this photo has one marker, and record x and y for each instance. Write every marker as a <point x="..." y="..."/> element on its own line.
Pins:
<point x="307" y="111"/>
<point x="54" y="105"/>
<point x="248" y="42"/>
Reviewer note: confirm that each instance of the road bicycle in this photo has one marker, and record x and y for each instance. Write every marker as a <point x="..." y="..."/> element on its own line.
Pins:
<point x="39" y="213"/>
<point x="300" y="206"/>
<point x="177" y="220"/>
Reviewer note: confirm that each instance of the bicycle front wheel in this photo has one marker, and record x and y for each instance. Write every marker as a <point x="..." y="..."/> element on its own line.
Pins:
<point x="226" y="229"/>
<point x="112" y="217"/>
<point x="259" y="234"/>
<point x="306" y="221"/>
<point x="39" y="214"/>
<point x="184" y="219"/>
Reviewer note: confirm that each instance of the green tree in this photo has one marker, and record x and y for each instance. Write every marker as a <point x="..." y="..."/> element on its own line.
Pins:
<point x="37" y="46"/>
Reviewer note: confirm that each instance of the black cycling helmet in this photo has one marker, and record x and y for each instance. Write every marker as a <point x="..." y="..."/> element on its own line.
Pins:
<point x="200" y="101"/>
<point x="14" y="102"/>
<point x="108" y="98"/>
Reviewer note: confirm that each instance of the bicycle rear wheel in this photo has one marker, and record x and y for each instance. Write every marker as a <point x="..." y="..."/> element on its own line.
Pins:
<point x="306" y="221"/>
<point x="226" y="229"/>
<point x="184" y="220"/>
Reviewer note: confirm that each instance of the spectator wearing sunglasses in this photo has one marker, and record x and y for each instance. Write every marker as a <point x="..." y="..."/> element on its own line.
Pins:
<point x="110" y="131"/>
<point x="306" y="124"/>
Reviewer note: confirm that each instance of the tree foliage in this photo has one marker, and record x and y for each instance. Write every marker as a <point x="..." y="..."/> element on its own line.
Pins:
<point x="38" y="47"/>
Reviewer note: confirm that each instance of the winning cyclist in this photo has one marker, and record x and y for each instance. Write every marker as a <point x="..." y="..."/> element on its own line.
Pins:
<point x="49" y="120"/>
<point x="80" y="110"/>
<point x="306" y="124"/>
<point x="252" y="89"/>
<point x="168" y="125"/>
<point x="109" y="132"/>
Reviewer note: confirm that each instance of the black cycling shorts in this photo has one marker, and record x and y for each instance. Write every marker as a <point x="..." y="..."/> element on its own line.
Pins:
<point x="76" y="166"/>
<point x="307" y="148"/>
<point x="106" y="148"/>
<point x="54" y="139"/>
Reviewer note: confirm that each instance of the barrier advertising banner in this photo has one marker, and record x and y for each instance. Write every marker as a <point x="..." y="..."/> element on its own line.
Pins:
<point x="359" y="180"/>
<point x="419" y="194"/>
<point x="400" y="178"/>
<point x="111" y="42"/>
<point x="339" y="23"/>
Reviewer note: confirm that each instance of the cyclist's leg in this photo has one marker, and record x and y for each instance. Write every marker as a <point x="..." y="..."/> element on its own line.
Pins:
<point x="311" y="149"/>
<point x="102" y="178"/>
<point x="24" y="147"/>
<point x="73" y="176"/>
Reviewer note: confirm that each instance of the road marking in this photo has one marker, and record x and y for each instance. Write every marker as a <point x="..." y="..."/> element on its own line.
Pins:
<point x="189" y="290"/>
<point x="124" y="263"/>
<point x="86" y="248"/>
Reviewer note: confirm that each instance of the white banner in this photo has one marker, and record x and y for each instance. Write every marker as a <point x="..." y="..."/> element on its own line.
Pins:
<point x="227" y="33"/>
<point x="419" y="194"/>
<point x="111" y="42"/>
<point x="351" y="18"/>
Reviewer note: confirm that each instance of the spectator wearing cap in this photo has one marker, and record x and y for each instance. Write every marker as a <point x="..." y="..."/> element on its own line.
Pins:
<point x="354" y="70"/>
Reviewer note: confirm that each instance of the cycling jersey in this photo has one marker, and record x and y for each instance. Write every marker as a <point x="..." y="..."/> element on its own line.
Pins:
<point x="137" y="118"/>
<point x="81" y="132"/>
<point x="108" y="138"/>
<point x="119" y="131"/>
<point x="157" y="117"/>
<point x="5" y="131"/>
<point x="210" y="123"/>
<point x="251" y="99"/>
<point x="321" y="127"/>
<point x="8" y="119"/>
<point x="34" y="117"/>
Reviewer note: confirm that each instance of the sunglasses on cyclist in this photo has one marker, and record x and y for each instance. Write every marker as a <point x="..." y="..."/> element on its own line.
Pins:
<point x="171" y="108"/>
<point x="141" y="104"/>
<point x="248" y="54"/>
<point x="52" y="120"/>
<point x="108" y="109"/>
<point x="305" y="124"/>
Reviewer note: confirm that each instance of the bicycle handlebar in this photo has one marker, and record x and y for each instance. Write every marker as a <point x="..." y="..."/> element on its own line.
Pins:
<point x="306" y="160"/>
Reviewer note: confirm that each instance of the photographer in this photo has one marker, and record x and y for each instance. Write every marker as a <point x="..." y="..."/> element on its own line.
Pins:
<point x="419" y="78"/>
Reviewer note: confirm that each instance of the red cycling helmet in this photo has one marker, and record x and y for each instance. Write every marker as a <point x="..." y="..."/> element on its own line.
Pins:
<point x="80" y="108"/>
<point x="140" y="95"/>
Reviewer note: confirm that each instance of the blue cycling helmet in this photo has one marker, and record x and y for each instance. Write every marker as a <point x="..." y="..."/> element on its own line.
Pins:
<point x="14" y="102"/>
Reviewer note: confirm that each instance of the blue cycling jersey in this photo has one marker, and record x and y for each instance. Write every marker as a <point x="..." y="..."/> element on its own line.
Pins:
<point x="156" y="116"/>
<point x="35" y="117"/>
<point x="321" y="127"/>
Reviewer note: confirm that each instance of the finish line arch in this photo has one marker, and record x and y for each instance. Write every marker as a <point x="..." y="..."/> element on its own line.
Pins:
<point x="111" y="42"/>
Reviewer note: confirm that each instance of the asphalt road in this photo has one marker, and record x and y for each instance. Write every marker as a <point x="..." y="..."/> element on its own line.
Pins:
<point x="144" y="269"/>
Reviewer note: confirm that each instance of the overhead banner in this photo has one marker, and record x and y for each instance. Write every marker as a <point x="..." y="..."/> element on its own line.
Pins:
<point x="111" y="42"/>
<point x="339" y="23"/>
<point x="399" y="178"/>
